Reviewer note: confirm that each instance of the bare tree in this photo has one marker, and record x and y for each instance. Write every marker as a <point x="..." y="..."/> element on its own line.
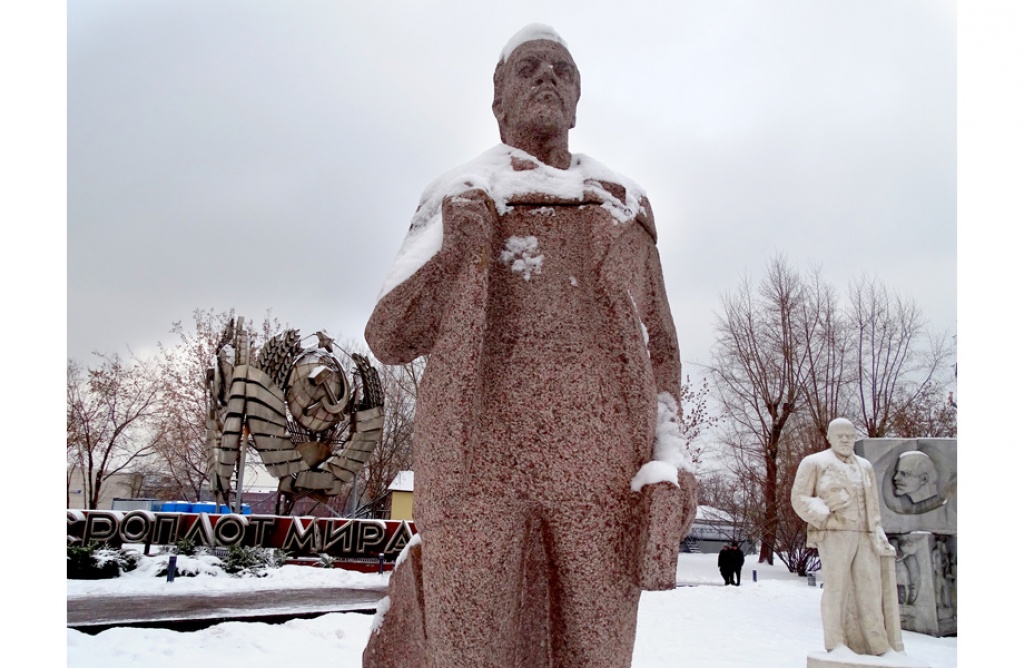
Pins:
<point x="826" y="333"/>
<point x="111" y="415"/>
<point x="760" y="363"/>
<point x="895" y="364"/>
<point x="802" y="438"/>
<point x="932" y="415"/>
<point x="740" y="503"/>
<point x="695" y="419"/>
<point x="740" y="493"/>
<point x="400" y="383"/>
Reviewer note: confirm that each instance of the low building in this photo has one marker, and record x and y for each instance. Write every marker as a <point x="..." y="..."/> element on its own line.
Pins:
<point x="116" y="486"/>
<point x="401" y="496"/>
<point x="711" y="530"/>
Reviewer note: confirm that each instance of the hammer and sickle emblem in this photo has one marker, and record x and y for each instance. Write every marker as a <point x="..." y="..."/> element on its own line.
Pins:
<point x="321" y="378"/>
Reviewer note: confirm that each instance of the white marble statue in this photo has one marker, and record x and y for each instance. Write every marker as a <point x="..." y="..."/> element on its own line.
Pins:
<point x="836" y="493"/>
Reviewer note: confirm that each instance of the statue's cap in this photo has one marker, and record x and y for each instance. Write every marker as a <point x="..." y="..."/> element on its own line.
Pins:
<point x="532" y="32"/>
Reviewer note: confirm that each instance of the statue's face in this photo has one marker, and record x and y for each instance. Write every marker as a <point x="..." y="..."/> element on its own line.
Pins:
<point x="908" y="479"/>
<point x="539" y="89"/>
<point x="841" y="437"/>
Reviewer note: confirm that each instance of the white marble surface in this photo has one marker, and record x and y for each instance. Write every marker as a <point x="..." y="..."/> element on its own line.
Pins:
<point x="835" y="492"/>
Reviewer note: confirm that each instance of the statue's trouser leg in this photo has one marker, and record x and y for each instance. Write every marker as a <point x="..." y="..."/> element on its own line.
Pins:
<point x="836" y="549"/>
<point x="867" y="593"/>
<point x="470" y="585"/>
<point x="850" y="568"/>
<point x="472" y="589"/>
<point x="594" y="595"/>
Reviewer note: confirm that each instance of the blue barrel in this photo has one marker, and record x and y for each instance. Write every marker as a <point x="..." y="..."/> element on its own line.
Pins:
<point x="175" y="507"/>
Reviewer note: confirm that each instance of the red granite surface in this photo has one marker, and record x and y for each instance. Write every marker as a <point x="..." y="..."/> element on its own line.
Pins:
<point x="549" y="338"/>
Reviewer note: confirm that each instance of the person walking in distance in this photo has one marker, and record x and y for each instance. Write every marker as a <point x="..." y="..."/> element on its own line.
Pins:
<point x="737" y="563"/>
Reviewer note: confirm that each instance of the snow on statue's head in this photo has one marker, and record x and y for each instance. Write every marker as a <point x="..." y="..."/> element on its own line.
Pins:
<point x="535" y="56"/>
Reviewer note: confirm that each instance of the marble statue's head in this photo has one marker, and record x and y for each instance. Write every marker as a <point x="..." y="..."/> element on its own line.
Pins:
<point x="536" y="83"/>
<point x="841" y="436"/>
<point x="915" y="476"/>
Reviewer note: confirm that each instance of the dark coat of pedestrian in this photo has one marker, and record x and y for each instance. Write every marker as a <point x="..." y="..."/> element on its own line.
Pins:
<point x="725" y="563"/>
<point x="736" y="558"/>
<point x="730" y="563"/>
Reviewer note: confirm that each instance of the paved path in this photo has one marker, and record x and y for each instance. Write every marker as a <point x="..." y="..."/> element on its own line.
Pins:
<point x="106" y="611"/>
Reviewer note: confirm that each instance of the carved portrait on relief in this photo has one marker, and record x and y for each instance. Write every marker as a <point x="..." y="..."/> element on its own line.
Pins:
<point x="917" y="482"/>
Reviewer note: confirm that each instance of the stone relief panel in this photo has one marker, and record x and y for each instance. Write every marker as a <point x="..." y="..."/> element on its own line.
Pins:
<point x="917" y="483"/>
<point x="944" y="557"/>
<point x="908" y="573"/>
<point x="926" y="582"/>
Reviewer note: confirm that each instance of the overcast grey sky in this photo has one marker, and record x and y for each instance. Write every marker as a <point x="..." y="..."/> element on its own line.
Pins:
<point x="269" y="155"/>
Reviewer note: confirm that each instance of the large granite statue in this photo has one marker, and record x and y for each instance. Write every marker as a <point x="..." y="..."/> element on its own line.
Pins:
<point x="835" y="492"/>
<point x="550" y="476"/>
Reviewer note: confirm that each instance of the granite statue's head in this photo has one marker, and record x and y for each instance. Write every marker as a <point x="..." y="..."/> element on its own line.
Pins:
<point x="536" y="84"/>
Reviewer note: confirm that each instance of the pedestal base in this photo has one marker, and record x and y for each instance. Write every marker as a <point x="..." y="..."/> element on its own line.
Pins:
<point x="844" y="658"/>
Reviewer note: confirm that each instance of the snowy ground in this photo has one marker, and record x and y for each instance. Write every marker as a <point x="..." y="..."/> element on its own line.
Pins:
<point x="772" y="623"/>
<point x="143" y="580"/>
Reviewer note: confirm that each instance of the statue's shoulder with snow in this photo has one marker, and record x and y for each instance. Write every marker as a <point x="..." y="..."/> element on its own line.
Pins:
<point x="552" y="482"/>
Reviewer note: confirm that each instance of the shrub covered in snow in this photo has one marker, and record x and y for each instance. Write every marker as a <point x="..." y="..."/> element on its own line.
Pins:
<point x="253" y="561"/>
<point x="201" y="563"/>
<point x="97" y="562"/>
<point x="186" y="546"/>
